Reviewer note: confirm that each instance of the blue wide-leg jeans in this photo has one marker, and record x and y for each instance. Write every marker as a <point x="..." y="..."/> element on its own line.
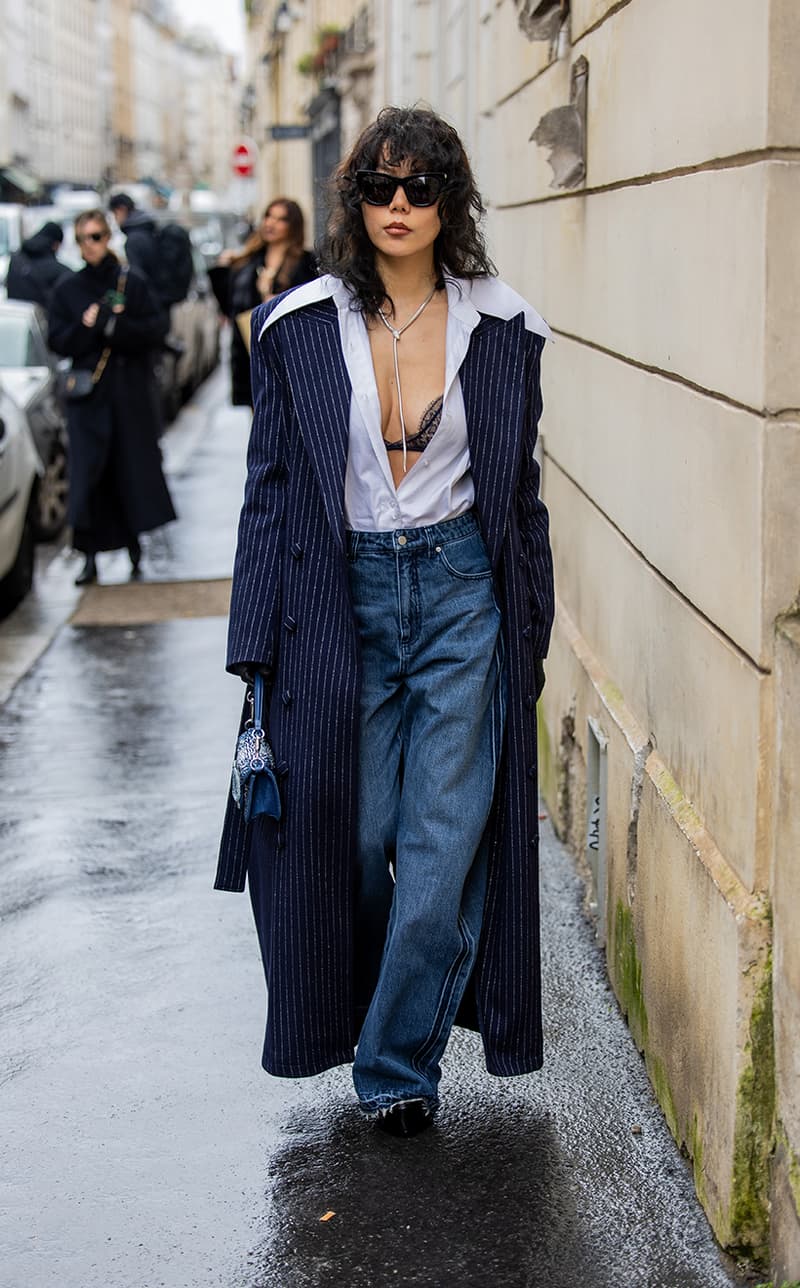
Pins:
<point x="431" y="727"/>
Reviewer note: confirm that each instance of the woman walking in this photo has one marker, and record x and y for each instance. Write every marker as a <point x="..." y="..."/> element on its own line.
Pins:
<point x="106" y="320"/>
<point x="393" y="586"/>
<point x="272" y="260"/>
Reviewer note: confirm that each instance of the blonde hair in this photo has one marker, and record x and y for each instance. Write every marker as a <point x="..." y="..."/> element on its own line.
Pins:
<point x="92" y="216"/>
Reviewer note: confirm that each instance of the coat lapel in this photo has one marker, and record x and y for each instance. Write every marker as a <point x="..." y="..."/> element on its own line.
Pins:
<point x="493" y="388"/>
<point x="321" y="393"/>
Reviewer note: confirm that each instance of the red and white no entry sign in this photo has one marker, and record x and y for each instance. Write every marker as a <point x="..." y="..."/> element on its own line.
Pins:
<point x="244" y="158"/>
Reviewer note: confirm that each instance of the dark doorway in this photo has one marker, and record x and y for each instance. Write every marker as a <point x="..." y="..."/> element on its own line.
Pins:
<point x="326" y="143"/>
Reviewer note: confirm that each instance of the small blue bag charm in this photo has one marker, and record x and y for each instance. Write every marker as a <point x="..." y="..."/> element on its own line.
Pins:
<point x="253" y="784"/>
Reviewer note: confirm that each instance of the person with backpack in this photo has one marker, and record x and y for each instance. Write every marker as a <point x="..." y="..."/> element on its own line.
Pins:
<point x="163" y="253"/>
<point x="34" y="269"/>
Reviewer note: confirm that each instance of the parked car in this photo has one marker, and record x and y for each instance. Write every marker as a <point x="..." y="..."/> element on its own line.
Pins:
<point x="19" y="479"/>
<point x="195" y="321"/>
<point x="29" y="374"/>
<point x="192" y="351"/>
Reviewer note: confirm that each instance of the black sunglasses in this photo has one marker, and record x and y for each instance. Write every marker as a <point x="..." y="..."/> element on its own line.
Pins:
<point x="95" y="237"/>
<point x="377" y="188"/>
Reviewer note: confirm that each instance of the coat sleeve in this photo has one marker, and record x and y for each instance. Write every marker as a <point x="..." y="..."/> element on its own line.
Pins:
<point x="255" y="597"/>
<point x="243" y="290"/>
<point x="66" y="334"/>
<point x="532" y="517"/>
<point x="219" y="275"/>
<point x="52" y="273"/>
<point x="141" y="252"/>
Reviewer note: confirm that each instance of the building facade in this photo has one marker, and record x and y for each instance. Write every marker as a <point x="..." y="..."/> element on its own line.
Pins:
<point x="51" y="90"/>
<point x="293" y="103"/>
<point x="112" y="91"/>
<point x="210" y="102"/>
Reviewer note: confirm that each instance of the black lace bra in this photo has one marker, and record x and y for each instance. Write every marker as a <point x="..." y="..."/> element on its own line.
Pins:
<point x="428" y="425"/>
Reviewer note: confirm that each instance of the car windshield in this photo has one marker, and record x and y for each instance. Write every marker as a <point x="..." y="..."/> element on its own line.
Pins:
<point x="14" y="338"/>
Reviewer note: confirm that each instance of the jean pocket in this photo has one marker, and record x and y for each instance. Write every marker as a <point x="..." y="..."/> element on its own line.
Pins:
<point x="466" y="558"/>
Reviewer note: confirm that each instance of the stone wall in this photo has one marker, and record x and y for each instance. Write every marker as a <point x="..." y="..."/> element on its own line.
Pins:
<point x="671" y="441"/>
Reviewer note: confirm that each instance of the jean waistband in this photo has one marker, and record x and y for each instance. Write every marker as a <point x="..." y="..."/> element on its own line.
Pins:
<point x="411" y="540"/>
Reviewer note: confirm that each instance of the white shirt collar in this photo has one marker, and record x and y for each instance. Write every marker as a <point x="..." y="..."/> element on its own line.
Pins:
<point x="466" y="299"/>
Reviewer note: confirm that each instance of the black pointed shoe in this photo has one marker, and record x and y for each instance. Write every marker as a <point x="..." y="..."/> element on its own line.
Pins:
<point x="405" y="1118"/>
<point x="88" y="572"/>
<point x="135" y="555"/>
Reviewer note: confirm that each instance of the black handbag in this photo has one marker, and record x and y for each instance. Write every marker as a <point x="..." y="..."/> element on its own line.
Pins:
<point x="79" y="383"/>
<point x="254" y="787"/>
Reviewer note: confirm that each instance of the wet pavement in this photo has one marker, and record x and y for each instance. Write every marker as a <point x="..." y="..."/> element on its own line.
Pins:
<point x="142" y="1145"/>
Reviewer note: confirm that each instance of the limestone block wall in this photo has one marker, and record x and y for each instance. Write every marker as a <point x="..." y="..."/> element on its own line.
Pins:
<point x="671" y="442"/>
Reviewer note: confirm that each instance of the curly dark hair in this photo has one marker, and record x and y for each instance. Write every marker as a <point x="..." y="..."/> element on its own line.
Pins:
<point x="421" y="138"/>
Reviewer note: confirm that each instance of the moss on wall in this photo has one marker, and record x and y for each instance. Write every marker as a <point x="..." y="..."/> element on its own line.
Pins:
<point x="626" y="972"/>
<point x="657" y="1072"/>
<point x="743" y="1224"/>
<point x="745" y="1231"/>
<point x="754" y="1137"/>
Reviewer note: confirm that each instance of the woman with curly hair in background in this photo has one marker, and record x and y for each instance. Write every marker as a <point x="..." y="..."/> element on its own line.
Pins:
<point x="393" y="590"/>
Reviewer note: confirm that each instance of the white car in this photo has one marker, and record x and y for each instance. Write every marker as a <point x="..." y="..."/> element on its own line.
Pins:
<point x="20" y="468"/>
<point x="29" y="373"/>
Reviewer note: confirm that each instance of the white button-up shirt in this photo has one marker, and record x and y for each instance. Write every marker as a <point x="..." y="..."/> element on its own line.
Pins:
<point x="439" y="484"/>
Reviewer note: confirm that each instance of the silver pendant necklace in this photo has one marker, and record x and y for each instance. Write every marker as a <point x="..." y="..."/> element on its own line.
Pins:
<point x="396" y="333"/>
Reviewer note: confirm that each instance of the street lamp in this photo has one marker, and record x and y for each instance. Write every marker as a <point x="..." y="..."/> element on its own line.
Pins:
<point x="283" y="19"/>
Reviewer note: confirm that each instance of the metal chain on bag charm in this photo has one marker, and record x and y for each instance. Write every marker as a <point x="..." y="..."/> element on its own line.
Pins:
<point x="257" y="761"/>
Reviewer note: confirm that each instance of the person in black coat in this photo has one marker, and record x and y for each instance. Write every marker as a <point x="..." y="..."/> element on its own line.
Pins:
<point x="106" y="319"/>
<point x="34" y="269"/>
<point x="272" y="260"/>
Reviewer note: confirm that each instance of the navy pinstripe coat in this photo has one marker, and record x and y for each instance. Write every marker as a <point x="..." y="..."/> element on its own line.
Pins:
<point x="291" y="613"/>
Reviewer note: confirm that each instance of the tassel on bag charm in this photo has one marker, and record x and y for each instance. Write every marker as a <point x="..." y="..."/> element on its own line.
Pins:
<point x="254" y="787"/>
